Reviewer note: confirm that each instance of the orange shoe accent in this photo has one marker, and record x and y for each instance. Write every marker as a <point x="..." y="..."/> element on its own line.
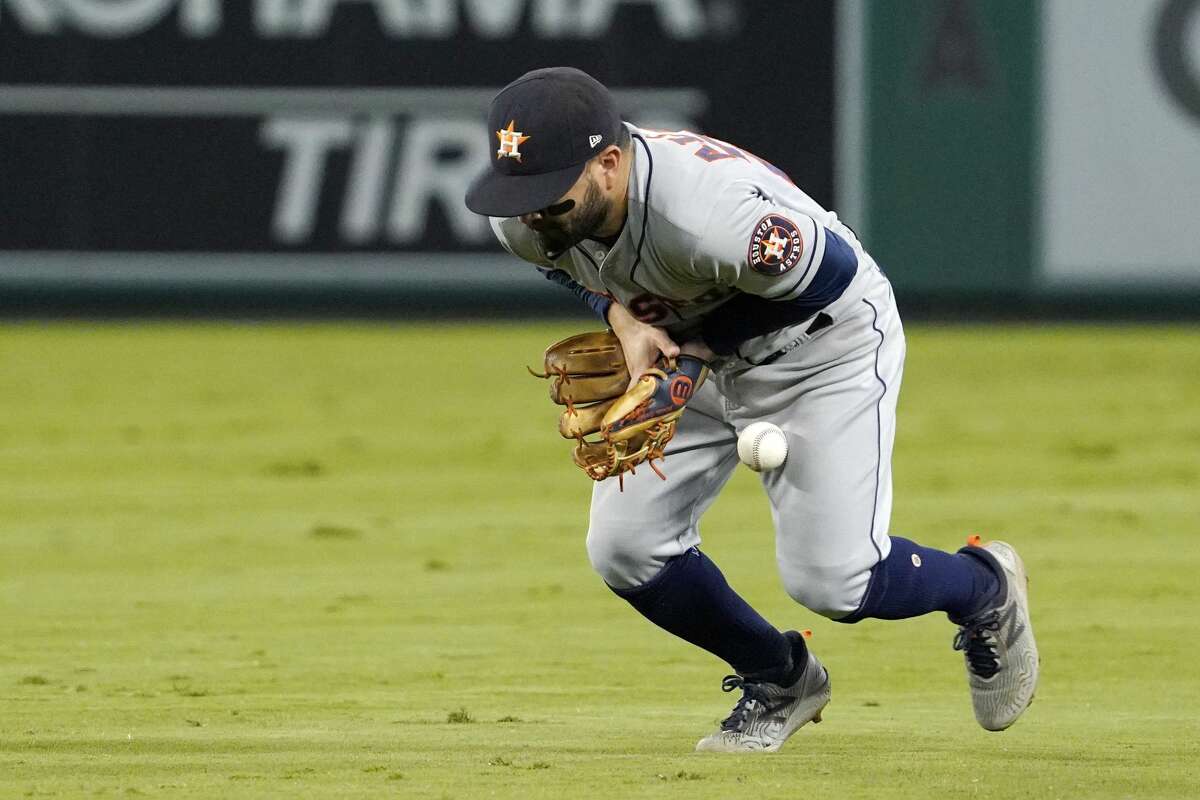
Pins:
<point x="974" y="540"/>
<point x="806" y="633"/>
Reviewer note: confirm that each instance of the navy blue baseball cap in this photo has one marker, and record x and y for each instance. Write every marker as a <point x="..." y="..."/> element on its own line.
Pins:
<point x="544" y="127"/>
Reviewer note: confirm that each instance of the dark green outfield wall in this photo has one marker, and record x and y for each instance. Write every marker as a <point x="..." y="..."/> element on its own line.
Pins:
<point x="950" y="122"/>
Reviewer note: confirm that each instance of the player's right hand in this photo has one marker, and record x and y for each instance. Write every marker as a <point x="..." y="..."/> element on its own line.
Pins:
<point x="642" y="343"/>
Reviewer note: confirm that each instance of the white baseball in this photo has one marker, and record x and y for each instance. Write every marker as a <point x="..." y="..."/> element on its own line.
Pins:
<point x="762" y="446"/>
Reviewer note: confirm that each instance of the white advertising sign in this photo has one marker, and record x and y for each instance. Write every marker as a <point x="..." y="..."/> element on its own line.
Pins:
<point x="1120" y="159"/>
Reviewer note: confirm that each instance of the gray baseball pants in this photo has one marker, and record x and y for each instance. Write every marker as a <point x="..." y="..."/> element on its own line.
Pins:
<point x="834" y="394"/>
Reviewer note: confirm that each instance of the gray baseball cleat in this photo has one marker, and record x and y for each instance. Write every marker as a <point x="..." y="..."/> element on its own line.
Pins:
<point x="767" y="714"/>
<point x="997" y="642"/>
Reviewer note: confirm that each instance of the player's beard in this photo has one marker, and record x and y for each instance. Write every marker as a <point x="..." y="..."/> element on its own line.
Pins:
<point x="557" y="236"/>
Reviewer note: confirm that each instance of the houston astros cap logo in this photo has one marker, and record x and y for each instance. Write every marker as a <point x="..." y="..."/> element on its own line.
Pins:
<point x="510" y="141"/>
<point x="775" y="245"/>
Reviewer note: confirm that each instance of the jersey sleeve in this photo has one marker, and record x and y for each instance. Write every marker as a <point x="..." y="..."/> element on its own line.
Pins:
<point x="760" y="246"/>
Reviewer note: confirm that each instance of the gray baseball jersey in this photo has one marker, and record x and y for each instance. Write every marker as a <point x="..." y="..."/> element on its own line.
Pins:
<point x="706" y="221"/>
<point x="709" y="224"/>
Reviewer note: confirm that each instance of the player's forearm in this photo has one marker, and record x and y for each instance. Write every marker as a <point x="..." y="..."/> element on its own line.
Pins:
<point x="621" y="321"/>
<point x="624" y="324"/>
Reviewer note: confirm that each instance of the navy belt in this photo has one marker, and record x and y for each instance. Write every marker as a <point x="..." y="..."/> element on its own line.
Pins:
<point x="820" y="322"/>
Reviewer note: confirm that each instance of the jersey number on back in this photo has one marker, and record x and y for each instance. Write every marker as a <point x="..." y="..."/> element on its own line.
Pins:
<point x="711" y="149"/>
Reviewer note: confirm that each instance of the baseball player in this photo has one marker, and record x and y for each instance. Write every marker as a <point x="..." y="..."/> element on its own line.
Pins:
<point x="688" y="246"/>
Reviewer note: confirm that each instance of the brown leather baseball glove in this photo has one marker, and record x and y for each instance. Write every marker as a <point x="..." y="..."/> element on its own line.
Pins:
<point x="589" y="377"/>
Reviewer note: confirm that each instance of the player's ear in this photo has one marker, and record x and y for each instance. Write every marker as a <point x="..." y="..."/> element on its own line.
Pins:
<point x="610" y="162"/>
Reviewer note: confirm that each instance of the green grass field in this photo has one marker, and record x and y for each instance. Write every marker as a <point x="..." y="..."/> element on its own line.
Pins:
<point x="272" y="560"/>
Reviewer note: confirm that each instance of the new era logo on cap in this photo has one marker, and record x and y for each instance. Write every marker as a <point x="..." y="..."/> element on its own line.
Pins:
<point x="594" y="139"/>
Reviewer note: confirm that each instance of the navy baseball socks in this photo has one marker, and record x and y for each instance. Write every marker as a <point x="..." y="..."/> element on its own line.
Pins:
<point x="983" y="589"/>
<point x="915" y="580"/>
<point x="784" y="686"/>
<point x="690" y="598"/>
